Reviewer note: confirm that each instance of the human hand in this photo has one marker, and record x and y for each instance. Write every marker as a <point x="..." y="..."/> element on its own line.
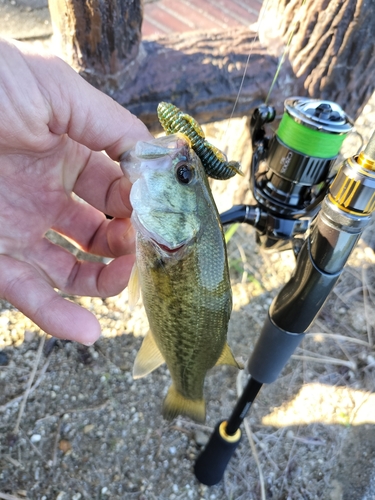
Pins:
<point x="53" y="129"/>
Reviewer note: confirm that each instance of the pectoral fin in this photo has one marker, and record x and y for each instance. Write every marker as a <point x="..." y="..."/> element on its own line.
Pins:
<point x="227" y="358"/>
<point x="148" y="358"/>
<point x="134" y="287"/>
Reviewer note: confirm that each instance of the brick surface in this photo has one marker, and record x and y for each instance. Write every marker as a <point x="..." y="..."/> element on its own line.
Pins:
<point x="193" y="14"/>
<point x="171" y="16"/>
<point x="149" y="28"/>
<point x="243" y="15"/>
<point x="164" y="20"/>
<point x="214" y="16"/>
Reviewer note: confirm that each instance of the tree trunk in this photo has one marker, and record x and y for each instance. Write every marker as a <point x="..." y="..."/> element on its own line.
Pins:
<point x="99" y="39"/>
<point x="331" y="56"/>
<point x="332" y="52"/>
<point x="200" y="73"/>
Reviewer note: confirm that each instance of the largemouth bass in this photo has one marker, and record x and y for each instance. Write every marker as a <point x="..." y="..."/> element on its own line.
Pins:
<point x="181" y="269"/>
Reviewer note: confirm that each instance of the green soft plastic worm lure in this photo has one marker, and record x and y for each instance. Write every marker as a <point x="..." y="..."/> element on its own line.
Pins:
<point x="215" y="163"/>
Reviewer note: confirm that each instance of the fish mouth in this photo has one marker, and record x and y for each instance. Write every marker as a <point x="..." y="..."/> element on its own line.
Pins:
<point x="154" y="238"/>
<point x="167" y="249"/>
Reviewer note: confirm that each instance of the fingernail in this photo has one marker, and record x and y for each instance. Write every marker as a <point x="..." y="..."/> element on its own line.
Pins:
<point x="88" y="344"/>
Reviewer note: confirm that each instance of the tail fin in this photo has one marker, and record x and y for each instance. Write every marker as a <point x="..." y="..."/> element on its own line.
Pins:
<point x="176" y="404"/>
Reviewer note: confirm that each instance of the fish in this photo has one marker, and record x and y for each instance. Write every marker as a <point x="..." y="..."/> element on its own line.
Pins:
<point x="173" y="120"/>
<point x="181" y="270"/>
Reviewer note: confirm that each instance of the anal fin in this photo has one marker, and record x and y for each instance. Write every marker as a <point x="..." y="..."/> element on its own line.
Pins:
<point x="148" y="358"/>
<point x="227" y="358"/>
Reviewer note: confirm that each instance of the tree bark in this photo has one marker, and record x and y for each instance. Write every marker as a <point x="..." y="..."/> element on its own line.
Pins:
<point x="200" y="73"/>
<point x="332" y="52"/>
<point x="98" y="39"/>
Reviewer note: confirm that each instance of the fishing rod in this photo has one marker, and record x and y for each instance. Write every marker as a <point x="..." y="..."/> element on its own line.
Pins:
<point x="300" y="204"/>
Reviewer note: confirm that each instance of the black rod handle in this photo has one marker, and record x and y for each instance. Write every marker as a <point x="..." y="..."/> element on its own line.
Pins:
<point x="212" y="462"/>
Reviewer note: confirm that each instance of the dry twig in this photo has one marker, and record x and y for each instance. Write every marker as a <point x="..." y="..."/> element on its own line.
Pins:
<point x="61" y="413"/>
<point x="326" y="360"/>
<point x="337" y="336"/>
<point x="244" y="262"/>
<point x="194" y="425"/>
<point x="12" y="461"/>
<point x="56" y="442"/>
<point x="367" y="307"/>
<point x="29" y="384"/>
<point x="37" y="451"/>
<point x="342" y="346"/>
<point x="290" y="458"/>
<point x="34" y="386"/>
<point x="5" y="496"/>
<point x="264" y="451"/>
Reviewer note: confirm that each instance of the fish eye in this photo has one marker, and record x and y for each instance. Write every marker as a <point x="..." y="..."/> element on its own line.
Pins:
<point x="184" y="173"/>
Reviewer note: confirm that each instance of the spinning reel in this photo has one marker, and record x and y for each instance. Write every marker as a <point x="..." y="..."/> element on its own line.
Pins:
<point x="291" y="171"/>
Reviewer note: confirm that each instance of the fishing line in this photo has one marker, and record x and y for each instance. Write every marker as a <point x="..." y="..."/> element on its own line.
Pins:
<point x="260" y="20"/>
<point x="282" y="59"/>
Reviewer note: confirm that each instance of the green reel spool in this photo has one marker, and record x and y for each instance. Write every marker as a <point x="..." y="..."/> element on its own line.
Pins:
<point x="314" y="127"/>
<point x="303" y="150"/>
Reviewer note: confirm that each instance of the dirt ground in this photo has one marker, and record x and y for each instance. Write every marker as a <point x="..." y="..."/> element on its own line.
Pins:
<point x="89" y="431"/>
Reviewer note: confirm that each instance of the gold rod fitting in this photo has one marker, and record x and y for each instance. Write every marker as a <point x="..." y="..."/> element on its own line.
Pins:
<point x="227" y="437"/>
<point x="365" y="161"/>
<point x="353" y="189"/>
